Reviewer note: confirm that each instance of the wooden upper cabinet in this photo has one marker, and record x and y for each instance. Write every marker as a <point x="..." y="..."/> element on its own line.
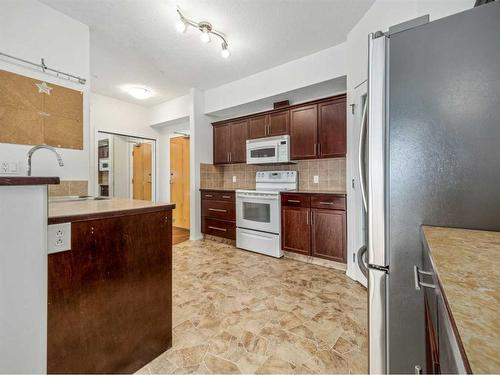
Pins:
<point x="332" y="128"/>
<point x="257" y="127"/>
<point x="304" y="132"/>
<point x="328" y="234"/>
<point x="238" y="145"/>
<point x="279" y="123"/>
<point x="222" y="135"/>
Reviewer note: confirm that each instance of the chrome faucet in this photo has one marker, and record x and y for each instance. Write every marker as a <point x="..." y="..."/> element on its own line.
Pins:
<point x="38" y="147"/>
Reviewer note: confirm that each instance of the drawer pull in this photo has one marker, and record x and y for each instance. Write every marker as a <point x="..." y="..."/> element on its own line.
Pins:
<point x="217" y="210"/>
<point x="418" y="283"/>
<point x="216" y="228"/>
<point x="293" y="201"/>
<point x="226" y="196"/>
<point x="326" y="203"/>
<point x="209" y="196"/>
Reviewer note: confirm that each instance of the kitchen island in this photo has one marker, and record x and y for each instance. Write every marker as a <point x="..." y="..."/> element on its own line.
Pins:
<point x="110" y="295"/>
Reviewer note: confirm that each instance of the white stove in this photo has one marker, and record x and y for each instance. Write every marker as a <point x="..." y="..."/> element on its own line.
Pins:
<point x="258" y="212"/>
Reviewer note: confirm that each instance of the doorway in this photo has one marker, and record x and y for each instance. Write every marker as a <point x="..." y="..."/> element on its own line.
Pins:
<point x="142" y="168"/>
<point x="180" y="186"/>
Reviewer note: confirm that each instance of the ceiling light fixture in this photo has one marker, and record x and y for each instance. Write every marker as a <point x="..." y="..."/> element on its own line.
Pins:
<point x="206" y="30"/>
<point x="140" y="93"/>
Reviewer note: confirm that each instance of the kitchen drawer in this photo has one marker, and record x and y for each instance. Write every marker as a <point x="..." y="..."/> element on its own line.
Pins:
<point x="295" y="200"/>
<point x="218" y="209"/>
<point x="328" y="201"/>
<point x="220" y="228"/>
<point x="218" y="195"/>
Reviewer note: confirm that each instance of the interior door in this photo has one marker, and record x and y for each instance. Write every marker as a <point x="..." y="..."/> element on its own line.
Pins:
<point x="142" y="168"/>
<point x="179" y="180"/>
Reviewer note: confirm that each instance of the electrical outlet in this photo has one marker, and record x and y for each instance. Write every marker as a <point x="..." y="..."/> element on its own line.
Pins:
<point x="9" y="167"/>
<point x="58" y="237"/>
<point x="316" y="179"/>
<point x="234" y="178"/>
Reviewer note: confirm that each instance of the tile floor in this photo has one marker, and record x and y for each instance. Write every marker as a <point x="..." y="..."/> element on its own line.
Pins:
<point x="239" y="312"/>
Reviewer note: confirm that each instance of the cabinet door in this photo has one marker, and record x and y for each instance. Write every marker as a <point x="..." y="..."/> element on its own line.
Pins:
<point x="304" y="132"/>
<point x="238" y="145"/>
<point x="329" y="234"/>
<point x="295" y="229"/>
<point x="279" y="123"/>
<point x="257" y="127"/>
<point x="332" y="128"/>
<point x="222" y="135"/>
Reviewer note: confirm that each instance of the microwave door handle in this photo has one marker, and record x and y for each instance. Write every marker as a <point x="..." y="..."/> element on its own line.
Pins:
<point x="361" y="151"/>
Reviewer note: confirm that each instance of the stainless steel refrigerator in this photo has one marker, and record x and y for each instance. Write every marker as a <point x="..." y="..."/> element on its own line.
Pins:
<point x="432" y="157"/>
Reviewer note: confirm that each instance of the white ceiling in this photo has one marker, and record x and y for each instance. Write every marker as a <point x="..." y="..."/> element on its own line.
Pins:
<point x="135" y="41"/>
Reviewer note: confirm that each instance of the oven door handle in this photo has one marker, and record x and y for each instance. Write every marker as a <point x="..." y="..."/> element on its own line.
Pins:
<point x="255" y="199"/>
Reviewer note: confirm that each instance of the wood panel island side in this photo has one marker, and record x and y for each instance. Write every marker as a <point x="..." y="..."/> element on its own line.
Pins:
<point x="110" y="295"/>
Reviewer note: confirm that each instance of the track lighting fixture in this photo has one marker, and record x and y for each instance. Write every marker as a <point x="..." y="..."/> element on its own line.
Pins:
<point x="206" y="30"/>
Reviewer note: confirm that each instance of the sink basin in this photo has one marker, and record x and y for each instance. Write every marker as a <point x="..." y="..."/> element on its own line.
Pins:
<point x="76" y="198"/>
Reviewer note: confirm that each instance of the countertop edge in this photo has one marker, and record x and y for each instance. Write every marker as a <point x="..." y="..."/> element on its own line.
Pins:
<point x="312" y="192"/>
<point x="28" y="180"/>
<point x="218" y="189"/>
<point x="454" y="326"/>
<point x="109" y="214"/>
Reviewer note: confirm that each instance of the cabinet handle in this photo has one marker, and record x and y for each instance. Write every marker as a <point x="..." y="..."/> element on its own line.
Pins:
<point x="418" y="283"/>
<point x="230" y="156"/>
<point x="326" y="203"/>
<point x="307" y="219"/>
<point x="217" y="210"/>
<point x="312" y="217"/>
<point x="216" y="228"/>
<point x="319" y="149"/>
<point x="226" y="196"/>
<point x="293" y="201"/>
<point x="209" y="196"/>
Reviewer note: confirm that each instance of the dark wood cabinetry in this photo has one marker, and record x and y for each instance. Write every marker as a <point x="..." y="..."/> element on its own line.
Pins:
<point x="230" y="142"/>
<point x="314" y="224"/>
<point x="110" y="296"/>
<point x="332" y="128"/>
<point x="304" y="132"/>
<point x="317" y="130"/>
<point x="218" y="213"/>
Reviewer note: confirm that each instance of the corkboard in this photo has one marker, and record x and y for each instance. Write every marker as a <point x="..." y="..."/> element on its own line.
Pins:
<point x="44" y="114"/>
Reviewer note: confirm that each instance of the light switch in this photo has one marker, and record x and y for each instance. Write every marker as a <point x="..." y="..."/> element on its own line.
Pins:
<point x="316" y="179"/>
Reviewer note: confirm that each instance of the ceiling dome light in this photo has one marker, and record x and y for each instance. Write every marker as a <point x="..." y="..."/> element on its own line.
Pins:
<point x="140" y="93"/>
<point x="225" y="51"/>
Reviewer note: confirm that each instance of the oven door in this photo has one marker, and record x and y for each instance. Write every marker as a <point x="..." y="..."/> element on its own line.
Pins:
<point x="258" y="212"/>
<point x="262" y="152"/>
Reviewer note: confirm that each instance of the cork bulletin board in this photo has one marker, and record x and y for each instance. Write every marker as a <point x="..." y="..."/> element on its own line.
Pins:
<point x="36" y="112"/>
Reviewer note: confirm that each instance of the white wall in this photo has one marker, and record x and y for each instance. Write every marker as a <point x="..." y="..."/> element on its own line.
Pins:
<point x="201" y="148"/>
<point x="172" y="110"/>
<point x="381" y="15"/>
<point x="309" y="70"/>
<point x="32" y="30"/>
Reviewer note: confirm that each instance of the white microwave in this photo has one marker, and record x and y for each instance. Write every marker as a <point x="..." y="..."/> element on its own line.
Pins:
<point x="268" y="150"/>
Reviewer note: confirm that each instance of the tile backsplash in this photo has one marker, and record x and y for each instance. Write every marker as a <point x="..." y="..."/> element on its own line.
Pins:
<point x="331" y="174"/>
<point x="69" y="188"/>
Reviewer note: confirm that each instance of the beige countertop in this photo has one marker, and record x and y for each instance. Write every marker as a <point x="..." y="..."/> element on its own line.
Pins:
<point x="65" y="211"/>
<point x="468" y="269"/>
<point x="300" y="191"/>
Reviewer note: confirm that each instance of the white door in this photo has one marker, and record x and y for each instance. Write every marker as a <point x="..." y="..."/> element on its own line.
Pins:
<point x="356" y="216"/>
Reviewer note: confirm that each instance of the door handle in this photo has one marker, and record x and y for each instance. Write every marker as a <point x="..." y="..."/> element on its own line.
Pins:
<point x="216" y="228"/>
<point x="362" y="135"/>
<point x="418" y="284"/>
<point x="217" y="210"/>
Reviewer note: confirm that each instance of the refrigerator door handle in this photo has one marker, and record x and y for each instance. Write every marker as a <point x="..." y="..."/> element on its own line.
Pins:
<point x="361" y="150"/>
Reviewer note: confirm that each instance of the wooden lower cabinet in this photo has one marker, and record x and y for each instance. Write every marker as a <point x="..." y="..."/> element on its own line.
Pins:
<point x="328" y="229"/>
<point x="218" y="213"/>
<point x="309" y="230"/>
<point x="110" y="296"/>
<point x="296" y="234"/>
